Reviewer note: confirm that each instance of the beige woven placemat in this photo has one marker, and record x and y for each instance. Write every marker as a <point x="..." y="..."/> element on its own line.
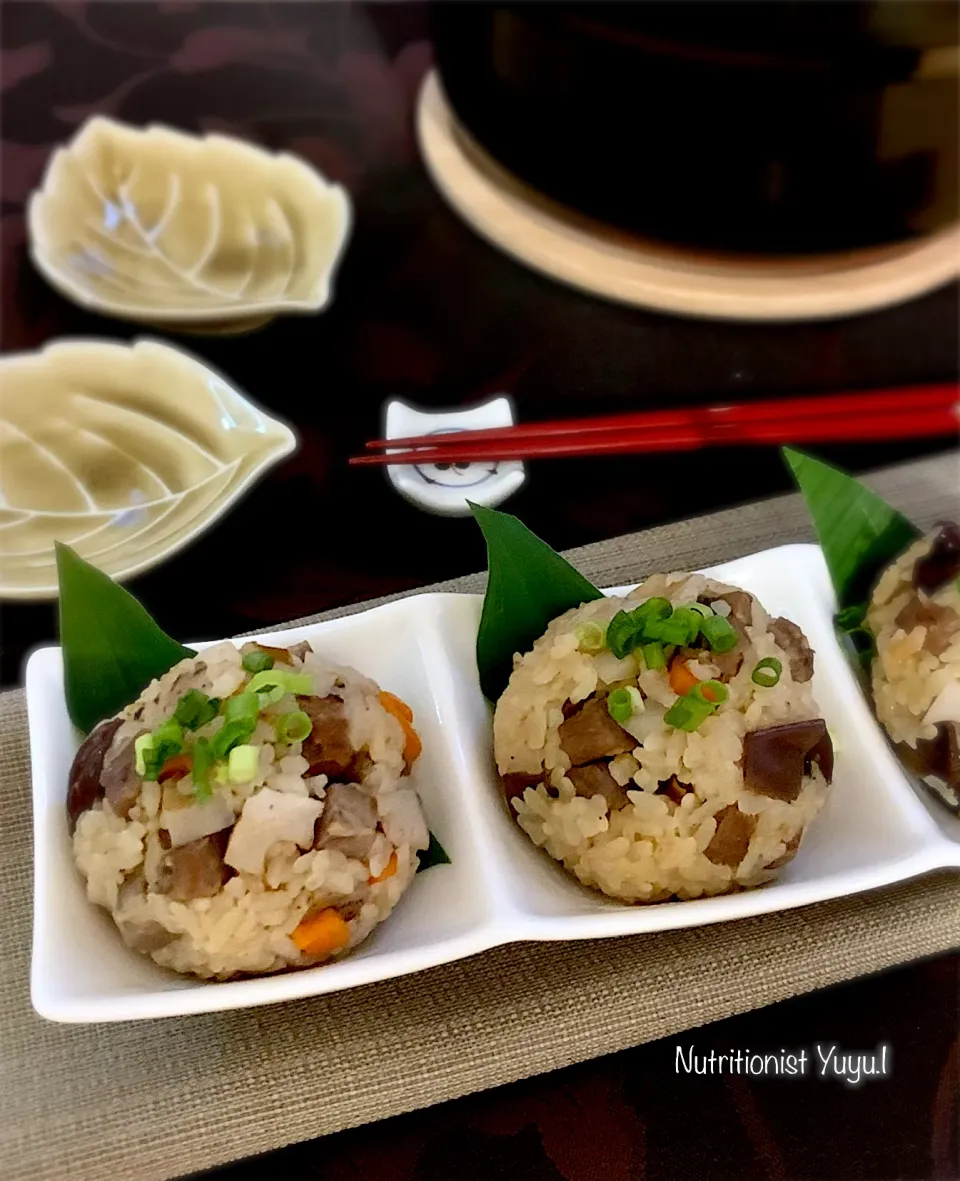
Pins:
<point x="161" y="1098"/>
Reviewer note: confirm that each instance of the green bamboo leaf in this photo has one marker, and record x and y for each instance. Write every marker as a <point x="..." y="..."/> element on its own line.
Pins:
<point x="858" y="531"/>
<point x="112" y="649"/>
<point x="528" y="585"/>
<point x="434" y="854"/>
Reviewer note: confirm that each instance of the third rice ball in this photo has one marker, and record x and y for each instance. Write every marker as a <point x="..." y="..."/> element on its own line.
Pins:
<point x="914" y="616"/>
<point x="668" y="744"/>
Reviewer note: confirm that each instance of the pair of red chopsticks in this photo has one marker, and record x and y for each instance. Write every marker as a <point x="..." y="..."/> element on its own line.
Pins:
<point x="911" y="412"/>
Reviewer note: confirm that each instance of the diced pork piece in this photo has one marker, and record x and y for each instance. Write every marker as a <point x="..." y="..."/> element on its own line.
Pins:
<point x="792" y="640"/>
<point x="327" y="748"/>
<point x="591" y="734"/>
<point x="941" y="623"/>
<point x="348" y="822"/>
<point x="515" y="783"/>
<point x="788" y="854"/>
<point x="673" y="789"/>
<point x="730" y="842"/>
<point x="594" y="779"/>
<point x="196" y="870"/>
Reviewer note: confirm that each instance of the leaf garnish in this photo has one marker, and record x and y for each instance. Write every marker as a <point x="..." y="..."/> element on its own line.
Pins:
<point x="528" y="585"/>
<point x="859" y="533"/>
<point x="112" y="649"/>
<point x="434" y="854"/>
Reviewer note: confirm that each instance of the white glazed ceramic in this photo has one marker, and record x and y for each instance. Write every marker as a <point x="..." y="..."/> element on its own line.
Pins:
<point x="154" y="224"/>
<point x="125" y="452"/>
<point x="874" y="830"/>
<point x="446" y="489"/>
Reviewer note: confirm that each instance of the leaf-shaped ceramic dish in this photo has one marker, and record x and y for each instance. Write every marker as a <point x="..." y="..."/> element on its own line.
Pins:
<point x="154" y="224"/>
<point x="126" y="452"/>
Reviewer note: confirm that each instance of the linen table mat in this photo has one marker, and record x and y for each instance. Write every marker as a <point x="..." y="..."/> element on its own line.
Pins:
<point x="157" y="1099"/>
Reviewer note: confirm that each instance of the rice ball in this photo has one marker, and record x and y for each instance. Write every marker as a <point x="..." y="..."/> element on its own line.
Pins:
<point x="914" y="616"/>
<point x="251" y="812"/>
<point x="665" y="745"/>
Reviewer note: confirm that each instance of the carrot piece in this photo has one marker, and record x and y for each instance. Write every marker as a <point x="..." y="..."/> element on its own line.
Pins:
<point x="388" y="872"/>
<point x="175" y="768"/>
<point x="393" y="705"/>
<point x="321" y="933"/>
<point x="412" y="745"/>
<point x="682" y="679"/>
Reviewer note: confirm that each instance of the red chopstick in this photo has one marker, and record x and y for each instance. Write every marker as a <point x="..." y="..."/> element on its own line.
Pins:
<point x="943" y="395"/>
<point x="929" y="411"/>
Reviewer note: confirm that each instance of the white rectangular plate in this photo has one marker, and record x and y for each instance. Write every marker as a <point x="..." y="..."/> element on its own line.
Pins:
<point x="874" y="830"/>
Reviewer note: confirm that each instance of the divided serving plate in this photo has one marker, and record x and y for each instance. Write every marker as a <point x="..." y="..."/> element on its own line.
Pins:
<point x="875" y="829"/>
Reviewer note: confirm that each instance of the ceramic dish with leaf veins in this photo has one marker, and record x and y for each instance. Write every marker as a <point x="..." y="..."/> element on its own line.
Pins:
<point x="665" y="744"/>
<point x="240" y="811"/>
<point x="898" y="594"/>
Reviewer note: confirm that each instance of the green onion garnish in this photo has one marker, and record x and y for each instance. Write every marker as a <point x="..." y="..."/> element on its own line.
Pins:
<point x="272" y="684"/>
<point x="242" y="707"/>
<point x="851" y="618"/>
<point x="231" y="734"/>
<point x="165" y="742"/>
<point x="718" y="633"/>
<point x="680" y="628"/>
<point x="590" y="636"/>
<point x="257" y="661"/>
<point x="687" y="713"/>
<point x="621" y="634"/>
<point x="204" y="760"/>
<point x="243" y="764"/>
<point x="701" y="609"/>
<point x="712" y="692"/>
<point x="654" y="610"/>
<point x="767" y="672"/>
<point x="293" y="727"/>
<point x="653" y="657"/>
<point x="621" y="705"/>
<point x="142" y="746"/>
<point x="195" y="709"/>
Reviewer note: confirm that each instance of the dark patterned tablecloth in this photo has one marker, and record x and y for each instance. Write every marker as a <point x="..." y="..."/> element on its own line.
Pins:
<point x="425" y="310"/>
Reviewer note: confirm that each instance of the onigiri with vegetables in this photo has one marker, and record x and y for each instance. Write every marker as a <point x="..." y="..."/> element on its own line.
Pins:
<point x="914" y="619"/>
<point x="250" y="812"/>
<point x="668" y="744"/>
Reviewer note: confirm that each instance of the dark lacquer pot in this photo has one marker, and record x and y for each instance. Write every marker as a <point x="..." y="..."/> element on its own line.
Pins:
<point x="774" y="126"/>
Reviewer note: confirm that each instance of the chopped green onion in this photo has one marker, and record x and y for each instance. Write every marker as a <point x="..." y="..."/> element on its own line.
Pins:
<point x="243" y="764"/>
<point x="767" y="672"/>
<point x="701" y="609"/>
<point x="257" y="661"/>
<point x="621" y="634"/>
<point x="621" y="704"/>
<point x="718" y="633"/>
<point x="142" y="746"/>
<point x="654" y="610"/>
<point x="653" y="657"/>
<point x="680" y="628"/>
<point x="590" y="636"/>
<point x="293" y="727"/>
<point x="204" y="760"/>
<point x="713" y="692"/>
<point x="165" y="742"/>
<point x="687" y="713"/>
<point x="243" y="707"/>
<point x="195" y="709"/>
<point x="231" y="734"/>
<point x="272" y="684"/>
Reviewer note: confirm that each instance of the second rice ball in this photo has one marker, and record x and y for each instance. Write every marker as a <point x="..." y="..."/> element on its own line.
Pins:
<point x="666" y="745"/>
